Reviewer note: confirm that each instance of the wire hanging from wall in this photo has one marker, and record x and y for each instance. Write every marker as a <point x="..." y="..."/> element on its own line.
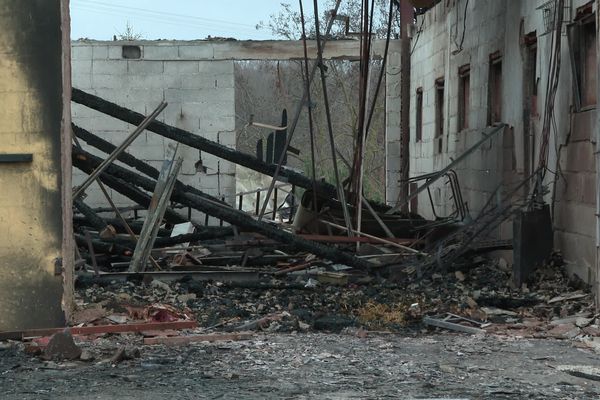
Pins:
<point x="551" y="89"/>
<point x="459" y="46"/>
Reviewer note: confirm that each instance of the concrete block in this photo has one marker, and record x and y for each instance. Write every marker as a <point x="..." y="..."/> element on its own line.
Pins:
<point x="81" y="52"/>
<point x="152" y="139"/>
<point x="181" y="67"/>
<point x="588" y="189"/>
<point x="143" y="67"/>
<point x="215" y="67"/>
<point x="201" y="81"/>
<point x="115" y="52"/>
<point x="578" y="252"/>
<point x="227" y="167"/>
<point x="580" y="157"/>
<point x="156" y="153"/>
<point x="154" y="81"/>
<point x="576" y="218"/>
<point x="80" y="113"/>
<point x="109" y="67"/>
<point x="220" y="122"/>
<point x="99" y="52"/>
<point x="81" y="81"/>
<point x="166" y="52"/>
<point x="81" y="67"/>
<point x="196" y="52"/>
<point x="101" y="123"/>
<point x="105" y="81"/>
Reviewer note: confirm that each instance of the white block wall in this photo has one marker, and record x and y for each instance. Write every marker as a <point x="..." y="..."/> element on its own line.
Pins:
<point x="200" y="96"/>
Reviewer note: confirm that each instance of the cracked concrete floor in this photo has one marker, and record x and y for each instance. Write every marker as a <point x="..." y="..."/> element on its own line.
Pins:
<point x="310" y="366"/>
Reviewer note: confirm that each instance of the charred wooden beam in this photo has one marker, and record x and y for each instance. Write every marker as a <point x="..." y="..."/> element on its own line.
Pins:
<point x="195" y="141"/>
<point x="230" y="215"/>
<point x="126" y="158"/>
<point x="102" y="246"/>
<point x="122" y="186"/>
<point x="91" y="218"/>
<point x="206" y="233"/>
<point x="135" y="226"/>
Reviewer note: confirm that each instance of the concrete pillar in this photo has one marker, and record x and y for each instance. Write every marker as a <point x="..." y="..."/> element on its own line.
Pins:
<point x="34" y="126"/>
<point x="596" y="284"/>
<point x="392" y="123"/>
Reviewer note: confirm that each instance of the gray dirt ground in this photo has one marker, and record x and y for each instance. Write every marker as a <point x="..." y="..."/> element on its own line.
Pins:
<point x="310" y="366"/>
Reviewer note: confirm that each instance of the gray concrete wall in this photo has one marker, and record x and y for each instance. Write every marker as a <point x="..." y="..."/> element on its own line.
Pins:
<point x="200" y="96"/>
<point x="499" y="26"/>
<point x="204" y="82"/>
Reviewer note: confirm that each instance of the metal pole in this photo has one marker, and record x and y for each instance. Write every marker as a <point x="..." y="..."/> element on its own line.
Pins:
<point x="340" y="189"/>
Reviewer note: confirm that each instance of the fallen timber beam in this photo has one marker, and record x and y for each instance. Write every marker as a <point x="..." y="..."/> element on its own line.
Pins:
<point x="229" y="215"/>
<point x="174" y="276"/>
<point x="211" y="232"/>
<point x="123" y="187"/>
<point x="90" y="216"/>
<point x="135" y="226"/>
<point x="127" y="159"/>
<point x="105" y="247"/>
<point x="97" y="329"/>
<point x="198" y="142"/>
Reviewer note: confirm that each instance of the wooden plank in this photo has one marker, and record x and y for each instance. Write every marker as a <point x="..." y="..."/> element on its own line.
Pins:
<point x="156" y="211"/>
<point x="99" y="329"/>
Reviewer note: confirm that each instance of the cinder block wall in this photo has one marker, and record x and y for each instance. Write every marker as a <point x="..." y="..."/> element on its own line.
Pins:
<point x="499" y="26"/>
<point x="200" y="96"/>
<point x="31" y="202"/>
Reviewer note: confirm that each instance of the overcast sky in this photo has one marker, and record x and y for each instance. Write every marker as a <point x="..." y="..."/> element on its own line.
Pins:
<point x="173" y="19"/>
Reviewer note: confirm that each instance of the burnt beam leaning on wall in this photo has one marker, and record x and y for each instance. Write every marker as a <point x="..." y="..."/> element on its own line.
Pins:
<point x="122" y="186"/>
<point x="195" y="141"/>
<point x="227" y="214"/>
<point x="127" y="159"/>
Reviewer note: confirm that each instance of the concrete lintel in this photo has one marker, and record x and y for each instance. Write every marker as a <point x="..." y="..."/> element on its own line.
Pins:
<point x="244" y="50"/>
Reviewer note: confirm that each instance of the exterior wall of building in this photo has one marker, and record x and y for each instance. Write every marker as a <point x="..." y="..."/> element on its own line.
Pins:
<point x="200" y="97"/>
<point x="504" y="29"/>
<point x="33" y="116"/>
<point x="202" y="82"/>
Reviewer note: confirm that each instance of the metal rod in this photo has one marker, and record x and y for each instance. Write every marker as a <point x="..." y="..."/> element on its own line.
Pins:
<point x="377" y="218"/>
<point x="113" y="156"/>
<point x="274" y="204"/>
<point x="310" y="116"/>
<point x="375" y="238"/>
<point x="340" y="189"/>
